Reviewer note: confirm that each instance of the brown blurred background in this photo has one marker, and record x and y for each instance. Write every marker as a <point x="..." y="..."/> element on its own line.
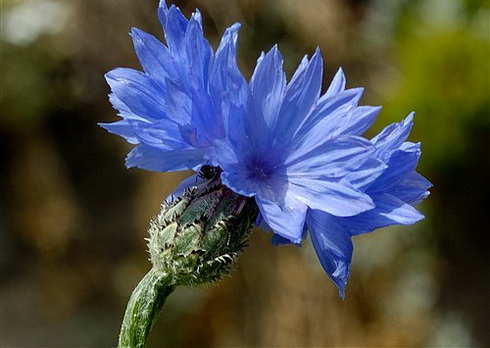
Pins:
<point x="73" y="218"/>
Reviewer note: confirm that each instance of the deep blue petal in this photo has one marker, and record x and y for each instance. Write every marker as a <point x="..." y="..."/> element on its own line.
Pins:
<point x="333" y="246"/>
<point x="123" y="109"/>
<point x="155" y="159"/>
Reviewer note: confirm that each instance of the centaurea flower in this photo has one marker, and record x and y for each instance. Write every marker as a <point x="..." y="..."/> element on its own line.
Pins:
<point x="268" y="150"/>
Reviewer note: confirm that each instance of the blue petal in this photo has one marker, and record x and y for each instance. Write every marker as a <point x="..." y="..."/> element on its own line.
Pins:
<point x="286" y="220"/>
<point x="205" y="119"/>
<point x="227" y="84"/>
<point x="339" y="199"/>
<point x="360" y="119"/>
<point x="400" y="164"/>
<point x="123" y="129"/>
<point x="412" y="189"/>
<point x="392" y="137"/>
<point x="163" y="134"/>
<point x="174" y="25"/>
<point x="123" y="109"/>
<point x="389" y="211"/>
<point x="327" y="118"/>
<point x="178" y="102"/>
<point x="365" y="175"/>
<point x="135" y="89"/>
<point x="333" y="246"/>
<point x="333" y="158"/>
<point x="153" y="56"/>
<point x="300" y="96"/>
<point x="337" y="85"/>
<point x="198" y="51"/>
<point x="267" y="85"/>
<point x="152" y="158"/>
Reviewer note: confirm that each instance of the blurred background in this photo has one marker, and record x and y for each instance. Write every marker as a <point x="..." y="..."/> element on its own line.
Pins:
<point x="73" y="218"/>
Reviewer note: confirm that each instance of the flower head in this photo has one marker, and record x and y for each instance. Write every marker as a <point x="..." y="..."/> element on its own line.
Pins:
<point x="173" y="110"/>
<point x="299" y="154"/>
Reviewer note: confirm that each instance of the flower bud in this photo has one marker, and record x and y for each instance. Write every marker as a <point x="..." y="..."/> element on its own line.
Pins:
<point x="197" y="236"/>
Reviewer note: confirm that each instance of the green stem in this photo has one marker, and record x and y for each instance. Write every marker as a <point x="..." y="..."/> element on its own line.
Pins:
<point x="143" y="308"/>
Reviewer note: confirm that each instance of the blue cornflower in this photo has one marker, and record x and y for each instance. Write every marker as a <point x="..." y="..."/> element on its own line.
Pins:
<point x="174" y="109"/>
<point x="300" y="154"/>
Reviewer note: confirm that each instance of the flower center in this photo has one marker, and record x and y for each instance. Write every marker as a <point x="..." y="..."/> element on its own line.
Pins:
<point x="259" y="172"/>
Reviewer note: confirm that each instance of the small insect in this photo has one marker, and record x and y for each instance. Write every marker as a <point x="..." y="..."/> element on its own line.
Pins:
<point x="208" y="172"/>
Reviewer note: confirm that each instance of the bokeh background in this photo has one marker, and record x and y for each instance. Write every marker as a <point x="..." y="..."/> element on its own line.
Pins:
<point x="73" y="218"/>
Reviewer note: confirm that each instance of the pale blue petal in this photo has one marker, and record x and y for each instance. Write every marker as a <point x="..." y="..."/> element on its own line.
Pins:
<point x="300" y="96"/>
<point x="360" y="119"/>
<point x="155" y="159"/>
<point x="178" y="102"/>
<point x="163" y="134"/>
<point x="332" y="159"/>
<point x="198" y="51"/>
<point x="333" y="246"/>
<point x="327" y="118"/>
<point x="365" y="175"/>
<point x="337" y="85"/>
<point x="336" y="198"/>
<point x="122" y="128"/>
<point x="123" y="109"/>
<point x="226" y="155"/>
<point x="154" y="56"/>
<point x="174" y="25"/>
<point x="400" y="164"/>
<point x="136" y="90"/>
<point x="287" y="220"/>
<point x="392" y="137"/>
<point x="267" y="85"/>
<point x="389" y="211"/>
<point x="227" y="84"/>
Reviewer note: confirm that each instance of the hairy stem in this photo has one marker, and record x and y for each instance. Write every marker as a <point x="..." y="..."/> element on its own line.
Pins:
<point x="143" y="308"/>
